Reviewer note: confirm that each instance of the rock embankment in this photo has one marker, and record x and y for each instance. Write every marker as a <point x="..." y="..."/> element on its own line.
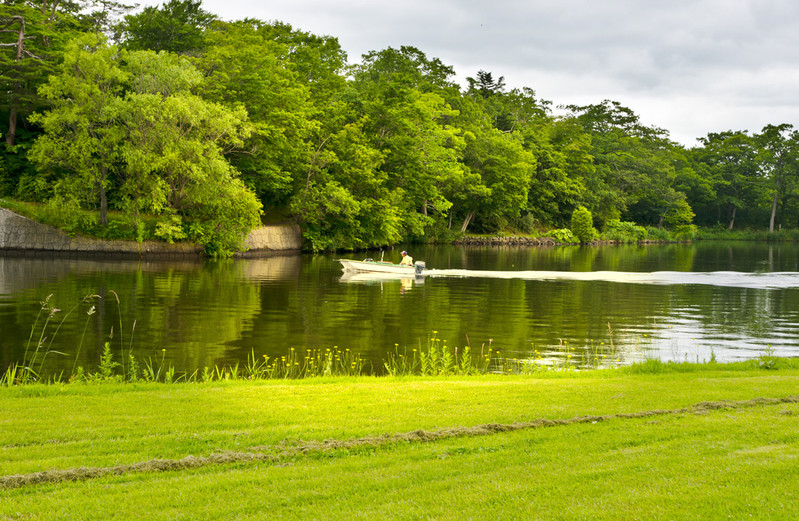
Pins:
<point x="512" y="240"/>
<point x="18" y="233"/>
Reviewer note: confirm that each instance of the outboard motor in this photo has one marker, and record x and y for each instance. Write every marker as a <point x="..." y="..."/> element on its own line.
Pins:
<point x="420" y="265"/>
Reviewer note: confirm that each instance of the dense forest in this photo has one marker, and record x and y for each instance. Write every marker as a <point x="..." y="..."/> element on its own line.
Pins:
<point x="208" y="125"/>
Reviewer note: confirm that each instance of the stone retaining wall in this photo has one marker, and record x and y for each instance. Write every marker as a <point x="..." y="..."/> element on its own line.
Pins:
<point x="287" y="237"/>
<point x="22" y="234"/>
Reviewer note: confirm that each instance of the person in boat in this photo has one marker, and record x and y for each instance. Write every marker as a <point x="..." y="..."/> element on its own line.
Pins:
<point x="407" y="260"/>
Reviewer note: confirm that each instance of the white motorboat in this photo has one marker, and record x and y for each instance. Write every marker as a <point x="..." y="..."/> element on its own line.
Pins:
<point x="369" y="265"/>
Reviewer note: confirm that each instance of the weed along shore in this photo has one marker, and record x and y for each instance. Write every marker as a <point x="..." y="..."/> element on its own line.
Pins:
<point x="649" y="441"/>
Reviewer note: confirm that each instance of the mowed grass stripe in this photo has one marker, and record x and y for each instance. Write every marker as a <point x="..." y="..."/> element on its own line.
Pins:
<point x="290" y="451"/>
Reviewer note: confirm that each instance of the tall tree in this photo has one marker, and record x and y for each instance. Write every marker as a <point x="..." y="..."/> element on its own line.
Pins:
<point x="401" y="94"/>
<point x="779" y="162"/>
<point x="505" y="169"/>
<point x="485" y="85"/>
<point x="319" y="62"/>
<point x="563" y="154"/>
<point x="728" y="161"/>
<point x="102" y="16"/>
<point x="245" y="67"/>
<point x="83" y="134"/>
<point x="633" y="165"/>
<point x="128" y="119"/>
<point x="32" y="35"/>
<point x="177" y="26"/>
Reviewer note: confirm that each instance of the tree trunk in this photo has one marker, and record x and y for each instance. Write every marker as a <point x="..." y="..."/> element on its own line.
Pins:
<point x="11" y="135"/>
<point x="466" y="221"/>
<point x="774" y="209"/>
<point x="14" y="109"/>
<point x="732" y="218"/>
<point x="103" y="197"/>
<point x="424" y="207"/>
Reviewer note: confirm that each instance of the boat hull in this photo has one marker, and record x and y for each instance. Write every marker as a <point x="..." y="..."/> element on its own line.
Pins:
<point x="381" y="267"/>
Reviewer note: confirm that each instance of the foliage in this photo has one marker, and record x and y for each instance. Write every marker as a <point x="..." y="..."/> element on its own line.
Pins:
<point x="175" y="26"/>
<point x="767" y="360"/>
<point x="658" y="234"/>
<point x="245" y="67"/>
<point x="582" y="225"/>
<point x="139" y="139"/>
<point x="685" y="232"/>
<point x="189" y="112"/>
<point x="170" y="229"/>
<point x="564" y="235"/>
<point x="625" y="231"/>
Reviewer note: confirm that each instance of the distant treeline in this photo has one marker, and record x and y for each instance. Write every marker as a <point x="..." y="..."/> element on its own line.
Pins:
<point x="207" y="124"/>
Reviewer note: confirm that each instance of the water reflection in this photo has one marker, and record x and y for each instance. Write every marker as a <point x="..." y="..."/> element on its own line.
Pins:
<point x="624" y="303"/>
<point x="281" y="267"/>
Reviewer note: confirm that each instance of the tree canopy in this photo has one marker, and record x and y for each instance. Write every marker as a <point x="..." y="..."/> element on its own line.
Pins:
<point x="169" y="111"/>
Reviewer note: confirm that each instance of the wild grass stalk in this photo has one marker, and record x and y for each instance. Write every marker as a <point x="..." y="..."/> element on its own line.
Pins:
<point x="9" y="378"/>
<point x="121" y="343"/>
<point x="89" y="313"/>
<point x="152" y="370"/>
<point x="437" y="359"/>
<point x="85" y="299"/>
<point x="51" y="312"/>
<point x="256" y="367"/>
<point x="45" y="306"/>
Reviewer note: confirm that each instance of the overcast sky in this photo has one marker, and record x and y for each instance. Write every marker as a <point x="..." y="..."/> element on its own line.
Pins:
<point x="689" y="66"/>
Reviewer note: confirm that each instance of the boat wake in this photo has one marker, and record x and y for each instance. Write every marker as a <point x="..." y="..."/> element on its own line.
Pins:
<point x="773" y="280"/>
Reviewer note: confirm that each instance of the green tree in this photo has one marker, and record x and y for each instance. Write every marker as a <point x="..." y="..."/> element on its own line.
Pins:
<point x="177" y="26"/>
<point x="634" y="166"/>
<point x="505" y="169"/>
<point x="345" y="202"/>
<point x="779" y="163"/>
<point x="563" y="161"/>
<point x="102" y="16"/>
<point x="319" y="62"/>
<point x="245" y="67"/>
<point x="82" y="133"/>
<point x="401" y="94"/>
<point x="129" y="120"/>
<point x="728" y="162"/>
<point x="554" y="186"/>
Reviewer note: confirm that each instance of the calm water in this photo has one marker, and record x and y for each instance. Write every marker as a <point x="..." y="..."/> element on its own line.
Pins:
<point x="673" y="302"/>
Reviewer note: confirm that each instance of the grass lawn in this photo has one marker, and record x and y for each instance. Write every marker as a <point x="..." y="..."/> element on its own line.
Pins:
<point x="408" y="448"/>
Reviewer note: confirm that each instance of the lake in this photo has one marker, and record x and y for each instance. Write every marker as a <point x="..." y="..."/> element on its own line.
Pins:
<point x="585" y="306"/>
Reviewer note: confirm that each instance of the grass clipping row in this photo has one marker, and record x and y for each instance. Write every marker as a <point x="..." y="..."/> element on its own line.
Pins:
<point x="285" y="451"/>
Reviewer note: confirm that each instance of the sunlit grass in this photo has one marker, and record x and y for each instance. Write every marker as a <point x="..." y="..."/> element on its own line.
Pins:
<point x="711" y="463"/>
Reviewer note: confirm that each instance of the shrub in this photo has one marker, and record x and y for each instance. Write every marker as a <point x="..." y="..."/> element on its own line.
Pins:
<point x="582" y="224"/>
<point x="562" y="235"/>
<point x="658" y="234"/>
<point x="527" y="223"/>
<point x="624" y="231"/>
<point x="169" y="229"/>
<point x="63" y="213"/>
<point x="686" y="232"/>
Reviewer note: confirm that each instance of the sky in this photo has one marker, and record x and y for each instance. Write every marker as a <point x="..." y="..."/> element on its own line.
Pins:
<point x="688" y="66"/>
